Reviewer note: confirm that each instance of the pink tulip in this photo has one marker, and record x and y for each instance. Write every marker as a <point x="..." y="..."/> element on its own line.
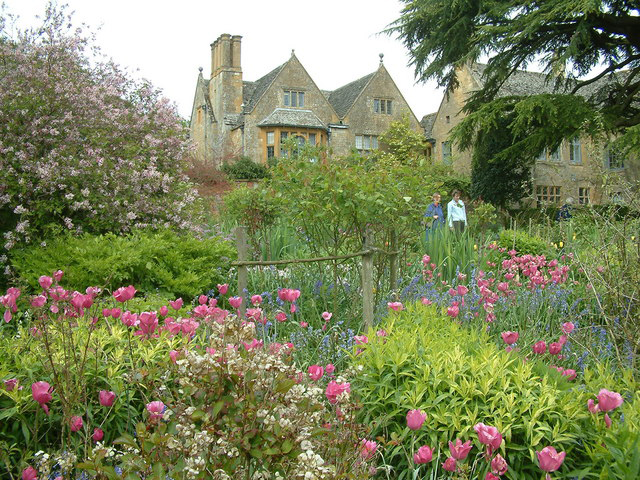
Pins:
<point x="254" y="344"/>
<point x="450" y="464"/>
<point x="460" y="450"/>
<point x="396" y="306"/>
<point x="39" y="301"/>
<point x="41" y="392"/>
<point x="381" y="333"/>
<point x="173" y="355"/>
<point x="293" y="308"/>
<point x="453" y="311"/>
<point x="549" y="459"/>
<point x="316" y="372"/>
<point x="57" y="275"/>
<point x="335" y="389"/>
<point x="608" y="401"/>
<point x="288" y="294"/>
<point x="176" y="304"/>
<point x="330" y="368"/>
<point x="164" y="310"/>
<point x="540" y="347"/>
<point x="156" y="409"/>
<point x="562" y="340"/>
<point x="510" y="337"/>
<point x="223" y="288"/>
<point x="462" y="290"/>
<point x="148" y="324"/>
<point x="423" y="455"/>
<point x="10" y="384"/>
<point x="29" y="473"/>
<point x="202" y="299"/>
<point x="326" y="316"/>
<point x="415" y="419"/>
<point x="124" y="294"/>
<point x="106" y="398"/>
<point x="555" y="348"/>
<point x="607" y="420"/>
<point x="425" y="301"/>
<point x="235" y="302"/>
<point x="45" y="282"/>
<point x="499" y="465"/>
<point x="129" y="319"/>
<point x="491" y="476"/>
<point x="591" y="405"/>
<point x="116" y="312"/>
<point x="256" y="300"/>
<point x="75" y="423"/>
<point x="570" y="373"/>
<point x="361" y="339"/>
<point x="488" y="435"/>
<point x="281" y="317"/>
<point x="367" y="449"/>
<point x="98" y="434"/>
<point x="568" y="327"/>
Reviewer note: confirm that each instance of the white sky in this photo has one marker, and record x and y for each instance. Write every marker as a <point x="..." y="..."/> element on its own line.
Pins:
<point x="165" y="42"/>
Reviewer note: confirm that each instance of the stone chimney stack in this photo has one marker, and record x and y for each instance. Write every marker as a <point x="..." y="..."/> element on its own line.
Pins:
<point x="225" y="86"/>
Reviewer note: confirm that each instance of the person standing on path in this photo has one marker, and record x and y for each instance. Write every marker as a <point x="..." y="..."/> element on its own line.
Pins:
<point x="456" y="213"/>
<point x="434" y="217"/>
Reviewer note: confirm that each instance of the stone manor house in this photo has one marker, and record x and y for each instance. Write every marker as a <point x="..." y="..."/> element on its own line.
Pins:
<point x="576" y="170"/>
<point x="233" y="117"/>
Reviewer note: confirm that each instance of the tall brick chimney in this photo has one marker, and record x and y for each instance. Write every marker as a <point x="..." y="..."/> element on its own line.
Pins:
<point x="225" y="87"/>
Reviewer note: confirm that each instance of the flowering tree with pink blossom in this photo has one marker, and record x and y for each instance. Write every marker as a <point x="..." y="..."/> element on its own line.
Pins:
<point x="83" y="147"/>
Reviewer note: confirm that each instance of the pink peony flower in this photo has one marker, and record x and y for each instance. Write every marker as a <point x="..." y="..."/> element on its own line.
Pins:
<point x="568" y="327"/>
<point x="608" y="401"/>
<point x="423" y="455"/>
<point x="29" y="473"/>
<point x="415" y="419"/>
<point x="156" y="409"/>
<point x="450" y="464"/>
<point x="361" y="339"/>
<point x="124" y="294"/>
<point x="281" y="317"/>
<point x="223" y="288"/>
<point x="39" y="301"/>
<point x="334" y="389"/>
<point x="499" y="465"/>
<point x="235" y="302"/>
<point x="316" y="372"/>
<point x="367" y="448"/>
<point x="75" y="423"/>
<point x="510" y="337"/>
<point x="460" y="450"/>
<point x="98" y="434"/>
<point x="488" y="435"/>
<point x="176" y="304"/>
<point x="540" y="347"/>
<point x="549" y="459"/>
<point x="326" y="316"/>
<point x="106" y="398"/>
<point x="330" y="368"/>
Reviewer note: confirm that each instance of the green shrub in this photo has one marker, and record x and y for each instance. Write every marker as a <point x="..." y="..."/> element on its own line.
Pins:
<point x="459" y="378"/>
<point x="162" y="262"/>
<point x="245" y="169"/>
<point x="522" y="242"/>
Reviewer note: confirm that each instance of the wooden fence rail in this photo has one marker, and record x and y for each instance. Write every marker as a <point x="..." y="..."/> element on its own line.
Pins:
<point x="366" y="253"/>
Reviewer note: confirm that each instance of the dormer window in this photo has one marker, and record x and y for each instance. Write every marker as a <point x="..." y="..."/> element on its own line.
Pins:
<point x="381" y="105"/>
<point x="293" y="98"/>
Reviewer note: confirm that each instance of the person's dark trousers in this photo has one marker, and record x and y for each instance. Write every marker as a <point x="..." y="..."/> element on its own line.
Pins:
<point x="458" y="226"/>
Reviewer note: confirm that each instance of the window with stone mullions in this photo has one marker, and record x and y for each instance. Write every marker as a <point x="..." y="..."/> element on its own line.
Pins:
<point x="293" y="98"/>
<point x="382" y="106"/>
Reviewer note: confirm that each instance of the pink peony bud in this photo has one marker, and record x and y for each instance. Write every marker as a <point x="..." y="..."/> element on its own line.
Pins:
<point x="98" y="434"/>
<point x="106" y="398"/>
<point x="75" y="423"/>
<point x="316" y="372"/>
<point x="549" y="459"/>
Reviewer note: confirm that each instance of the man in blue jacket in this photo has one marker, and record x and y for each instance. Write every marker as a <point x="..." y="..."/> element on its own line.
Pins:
<point x="434" y="217"/>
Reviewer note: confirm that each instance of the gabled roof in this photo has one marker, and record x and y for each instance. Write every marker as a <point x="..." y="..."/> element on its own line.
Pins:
<point x="343" y="98"/>
<point x="258" y="88"/>
<point x="292" y="117"/>
<point x="203" y="85"/>
<point x="427" y="123"/>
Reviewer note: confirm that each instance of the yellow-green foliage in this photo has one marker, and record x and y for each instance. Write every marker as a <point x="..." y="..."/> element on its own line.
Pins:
<point x="459" y="378"/>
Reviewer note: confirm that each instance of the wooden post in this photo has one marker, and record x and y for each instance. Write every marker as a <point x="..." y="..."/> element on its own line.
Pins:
<point x="393" y="263"/>
<point x="367" y="283"/>
<point x="241" y="245"/>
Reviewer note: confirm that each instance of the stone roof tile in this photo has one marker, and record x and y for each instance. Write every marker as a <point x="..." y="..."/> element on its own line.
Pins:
<point x="290" y="117"/>
<point x="342" y="98"/>
<point x="427" y="123"/>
